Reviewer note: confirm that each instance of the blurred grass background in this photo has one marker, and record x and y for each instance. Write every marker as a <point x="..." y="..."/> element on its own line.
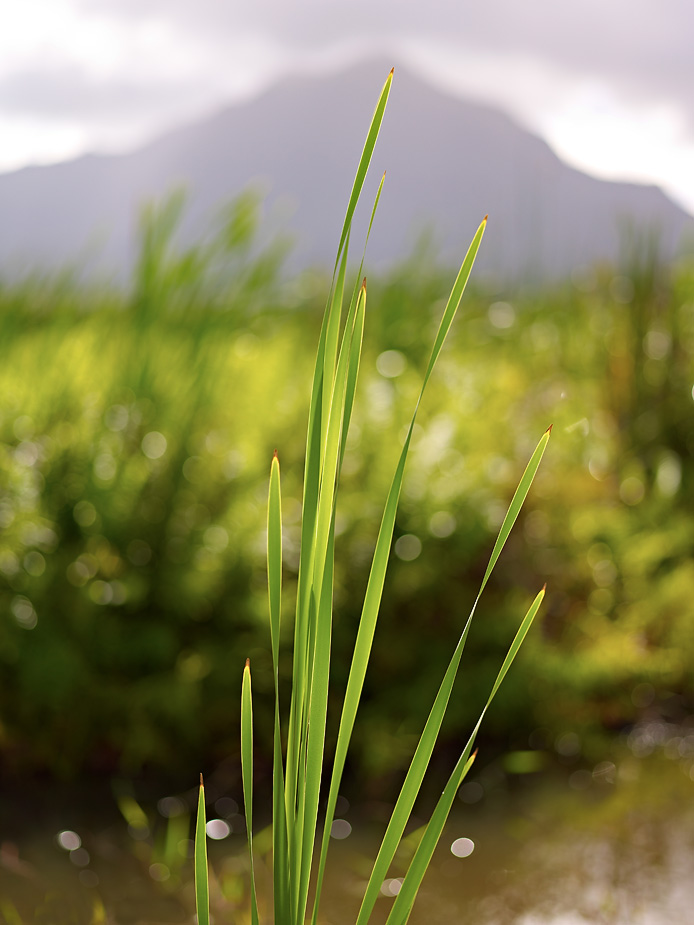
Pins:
<point x="136" y="433"/>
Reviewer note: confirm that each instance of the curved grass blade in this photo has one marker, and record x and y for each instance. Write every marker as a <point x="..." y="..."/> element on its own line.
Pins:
<point x="425" y="746"/>
<point x="332" y="339"/>
<point x="322" y="582"/>
<point x="202" y="888"/>
<point x="247" y="774"/>
<point x="314" y="457"/>
<point x="425" y="850"/>
<point x="516" y="503"/>
<point x="365" y="160"/>
<point x="374" y="589"/>
<point x="316" y="730"/>
<point x="274" y="560"/>
<point x="279" y="823"/>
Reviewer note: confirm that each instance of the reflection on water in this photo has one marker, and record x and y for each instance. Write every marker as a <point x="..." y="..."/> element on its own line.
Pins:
<point x="611" y="845"/>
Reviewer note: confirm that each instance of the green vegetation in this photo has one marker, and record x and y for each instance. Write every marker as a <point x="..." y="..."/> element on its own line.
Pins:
<point x="135" y="431"/>
<point x="297" y="775"/>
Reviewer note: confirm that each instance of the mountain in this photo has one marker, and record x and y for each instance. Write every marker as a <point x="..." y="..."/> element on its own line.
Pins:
<point x="449" y="162"/>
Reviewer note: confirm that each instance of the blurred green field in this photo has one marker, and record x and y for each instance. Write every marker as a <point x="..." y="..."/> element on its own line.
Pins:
<point x="136" y="434"/>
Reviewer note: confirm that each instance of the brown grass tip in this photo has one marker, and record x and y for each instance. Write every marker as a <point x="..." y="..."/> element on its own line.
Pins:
<point x="474" y="754"/>
<point x="392" y="71"/>
<point x="248" y="663"/>
<point x="544" y="587"/>
<point x="363" y="284"/>
<point x="486" y="217"/>
<point x="549" y="429"/>
<point x="201" y="781"/>
<point x="275" y="454"/>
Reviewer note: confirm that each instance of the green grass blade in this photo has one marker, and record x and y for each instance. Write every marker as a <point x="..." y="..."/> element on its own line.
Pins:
<point x="353" y="371"/>
<point x="321" y="392"/>
<point x="317" y="724"/>
<point x="400" y="911"/>
<point x="314" y="457"/>
<point x="319" y="656"/>
<point x="280" y="858"/>
<point x="274" y="560"/>
<point x="358" y="337"/>
<point x="279" y="822"/>
<point x="425" y="746"/>
<point x="247" y="774"/>
<point x="454" y="299"/>
<point x="202" y="888"/>
<point x="332" y="341"/>
<point x="517" y="503"/>
<point x="365" y="159"/>
<point x="374" y="590"/>
<point x="425" y="850"/>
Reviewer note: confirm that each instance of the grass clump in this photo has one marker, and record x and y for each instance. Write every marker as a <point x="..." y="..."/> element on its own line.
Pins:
<point x="298" y="767"/>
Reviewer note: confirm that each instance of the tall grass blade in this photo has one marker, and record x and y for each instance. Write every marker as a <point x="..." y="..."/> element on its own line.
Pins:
<point x="247" y="774"/>
<point x="323" y="583"/>
<point x="425" y="850"/>
<point x="425" y="747"/>
<point x="365" y="159"/>
<point x="332" y="341"/>
<point x="202" y="888"/>
<point x="374" y="590"/>
<point x="274" y="561"/>
<point x="516" y="503"/>
<point x="315" y="441"/>
<point x="281" y="893"/>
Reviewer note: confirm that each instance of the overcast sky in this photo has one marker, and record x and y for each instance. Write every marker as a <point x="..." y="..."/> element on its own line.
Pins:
<point x="608" y="83"/>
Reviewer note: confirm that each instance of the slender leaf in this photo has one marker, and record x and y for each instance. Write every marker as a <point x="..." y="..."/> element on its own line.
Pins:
<point x="374" y="590"/>
<point x="202" y="889"/>
<point x="422" y="857"/>
<point x="279" y="823"/>
<point x="425" y="747"/>
<point x="517" y="503"/>
<point x="365" y="159"/>
<point x="323" y="581"/>
<point x="247" y="774"/>
<point x="274" y="559"/>
<point x="312" y="477"/>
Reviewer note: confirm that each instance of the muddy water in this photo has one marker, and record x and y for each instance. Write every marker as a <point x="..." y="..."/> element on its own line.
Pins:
<point x="608" y="845"/>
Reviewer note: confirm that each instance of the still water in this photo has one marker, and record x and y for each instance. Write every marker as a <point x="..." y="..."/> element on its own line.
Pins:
<point x="607" y="845"/>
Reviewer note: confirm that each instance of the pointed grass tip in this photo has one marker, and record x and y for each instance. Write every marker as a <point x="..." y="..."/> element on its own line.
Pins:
<point x="549" y="429"/>
<point x="275" y="454"/>
<point x="201" y="780"/>
<point x="363" y="284"/>
<point x="474" y="754"/>
<point x="248" y="664"/>
<point x="544" y="587"/>
<point x="392" y="71"/>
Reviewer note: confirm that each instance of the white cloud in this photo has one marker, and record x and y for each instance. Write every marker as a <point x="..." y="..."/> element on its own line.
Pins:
<point x="609" y="85"/>
<point x="611" y="137"/>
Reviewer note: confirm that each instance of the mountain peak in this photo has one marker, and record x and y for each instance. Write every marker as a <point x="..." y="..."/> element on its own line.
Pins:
<point x="449" y="162"/>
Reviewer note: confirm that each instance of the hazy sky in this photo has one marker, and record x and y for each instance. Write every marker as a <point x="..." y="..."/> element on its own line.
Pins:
<point x="608" y="83"/>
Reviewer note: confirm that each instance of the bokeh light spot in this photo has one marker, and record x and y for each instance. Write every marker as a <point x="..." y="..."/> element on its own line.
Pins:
<point x="154" y="445"/>
<point x="502" y="315"/>
<point x="218" y="829"/>
<point x="159" y="872"/>
<point x="340" y="829"/>
<point x="408" y="547"/>
<point x="391" y="364"/>
<point x="69" y="840"/>
<point x="442" y="524"/>
<point x="392" y="886"/>
<point x="462" y="847"/>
